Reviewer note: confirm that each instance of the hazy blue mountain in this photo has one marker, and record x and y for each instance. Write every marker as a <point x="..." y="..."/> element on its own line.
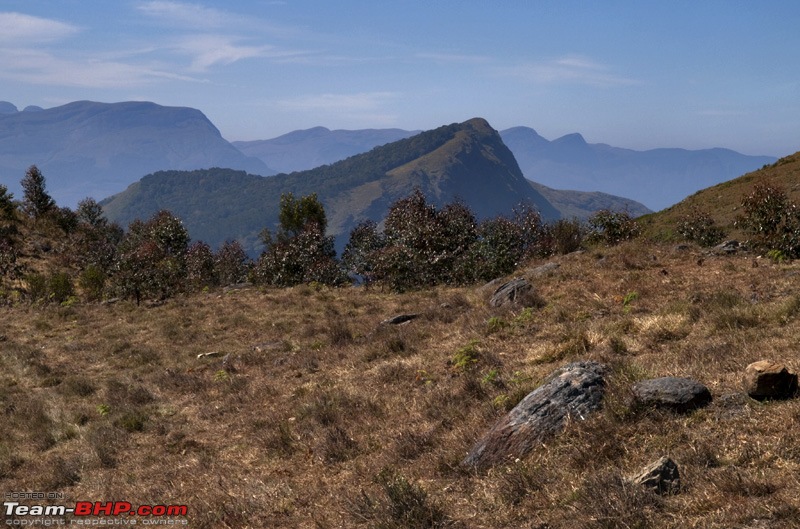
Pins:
<point x="306" y="149"/>
<point x="467" y="161"/>
<point x="657" y="178"/>
<point x="96" y="149"/>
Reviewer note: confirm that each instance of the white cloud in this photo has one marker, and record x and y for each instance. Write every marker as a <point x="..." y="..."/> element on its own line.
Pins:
<point x="209" y="50"/>
<point x="189" y="15"/>
<point x="572" y="69"/>
<point x="198" y="18"/>
<point x="38" y="67"/>
<point x="21" y="29"/>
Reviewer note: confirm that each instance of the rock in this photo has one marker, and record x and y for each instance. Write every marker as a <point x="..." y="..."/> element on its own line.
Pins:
<point x="729" y="247"/>
<point x="212" y="354"/>
<point x="574" y="391"/>
<point x="674" y="393"/>
<point x="544" y="269"/>
<point x="513" y="291"/>
<point x="400" y="318"/>
<point x="661" y="476"/>
<point x="769" y="380"/>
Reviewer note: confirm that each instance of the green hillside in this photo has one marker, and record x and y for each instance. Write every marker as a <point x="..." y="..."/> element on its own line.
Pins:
<point x="465" y="161"/>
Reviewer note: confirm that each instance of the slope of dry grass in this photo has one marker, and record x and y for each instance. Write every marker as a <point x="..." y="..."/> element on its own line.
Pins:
<point x="723" y="201"/>
<point x="334" y="420"/>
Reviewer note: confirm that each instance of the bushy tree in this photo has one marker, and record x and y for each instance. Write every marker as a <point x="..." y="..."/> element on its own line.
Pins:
<point x="151" y="259"/>
<point x="699" y="227"/>
<point x="612" y="227"/>
<point x="231" y="264"/>
<point x="301" y="252"/>
<point x="8" y="233"/>
<point x="306" y="257"/>
<point x="296" y="214"/>
<point x="772" y="220"/>
<point x="200" y="271"/>
<point x="92" y="242"/>
<point x="35" y="200"/>
<point x="358" y="255"/>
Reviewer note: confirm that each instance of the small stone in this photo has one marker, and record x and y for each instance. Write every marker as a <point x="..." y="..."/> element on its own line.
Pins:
<point x="661" y="476"/>
<point x="211" y="354"/>
<point x="513" y="291"/>
<point x="400" y="318"/>
<point x="674" y="393"/>
<point x="769" y="380"/>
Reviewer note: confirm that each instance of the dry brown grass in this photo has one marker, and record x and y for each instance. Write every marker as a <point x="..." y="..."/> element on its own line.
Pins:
<point x="339" y="421"/>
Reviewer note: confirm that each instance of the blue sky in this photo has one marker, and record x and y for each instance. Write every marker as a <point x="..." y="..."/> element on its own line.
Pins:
<point x="637" y="74"/>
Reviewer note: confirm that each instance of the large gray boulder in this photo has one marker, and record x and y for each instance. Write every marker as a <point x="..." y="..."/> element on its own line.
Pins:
<point x="574" y="391"/>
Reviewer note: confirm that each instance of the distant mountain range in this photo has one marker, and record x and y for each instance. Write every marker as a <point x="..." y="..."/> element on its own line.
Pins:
<point x="305" y="149"/>
<point x="657" y="178"/>
<point x="466" y="161"/>
<point x="96" y="149"/>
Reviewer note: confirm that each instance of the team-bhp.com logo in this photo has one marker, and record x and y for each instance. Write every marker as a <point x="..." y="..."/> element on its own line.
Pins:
<point x="93" y="513"/>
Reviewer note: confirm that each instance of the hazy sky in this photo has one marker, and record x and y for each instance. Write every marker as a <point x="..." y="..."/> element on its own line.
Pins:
<point x="637" y="74"/>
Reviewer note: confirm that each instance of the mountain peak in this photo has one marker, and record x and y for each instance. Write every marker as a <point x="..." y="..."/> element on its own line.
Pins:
<point x="8" y="108"/>
<point x="574" y="139"/>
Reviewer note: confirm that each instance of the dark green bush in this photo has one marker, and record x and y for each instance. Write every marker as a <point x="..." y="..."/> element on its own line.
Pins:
<point x="772" y="220"/>
<point x="612" y="227"/>
<point x="698" y="226"/>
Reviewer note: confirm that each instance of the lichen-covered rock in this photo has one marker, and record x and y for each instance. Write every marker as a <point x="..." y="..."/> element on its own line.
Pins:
<point x="769" y="380"/>
<point x="513" y="291"/>
<point x="674" y="393"/>
<point x="661" y="476"/>
<point x="575" y="391"/>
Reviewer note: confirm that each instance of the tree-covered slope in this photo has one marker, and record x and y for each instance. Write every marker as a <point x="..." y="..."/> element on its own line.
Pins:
<point x="465" y="161"/>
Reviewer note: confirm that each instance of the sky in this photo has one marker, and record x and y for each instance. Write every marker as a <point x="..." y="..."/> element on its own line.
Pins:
<point x="637" y="74"/>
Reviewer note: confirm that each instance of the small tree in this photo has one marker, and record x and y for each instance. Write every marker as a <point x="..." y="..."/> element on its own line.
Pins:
<point x="612" y="227"/>
<point x="301" y="252"/>
<point x="35" y="200"/>
<point x="231" y="263"/>
<point x="296" y="214"/>
<point x="772" y="220"/>
<point x="200" y="271"/>
<point x="8" y="233"/>
<point x="151" y="258"/>
<point x="359" y="254"/>
<point x="698" y="226"/>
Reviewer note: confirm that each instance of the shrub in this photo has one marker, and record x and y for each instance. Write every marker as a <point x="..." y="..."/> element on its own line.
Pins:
<point x="300" y="252"/>
<point x="612" y="227"/>
<point x="698" y="226"/>
<point x="359" y="254"/>
<point x="772" y="221"/>
<point x="93" y="283"/>
<point x="151" y="258"/>
<point x="200" y="270"/>
<point x="304" y="258"/>
<point x="231" y="263"/>
<point x="566" y="236"/>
